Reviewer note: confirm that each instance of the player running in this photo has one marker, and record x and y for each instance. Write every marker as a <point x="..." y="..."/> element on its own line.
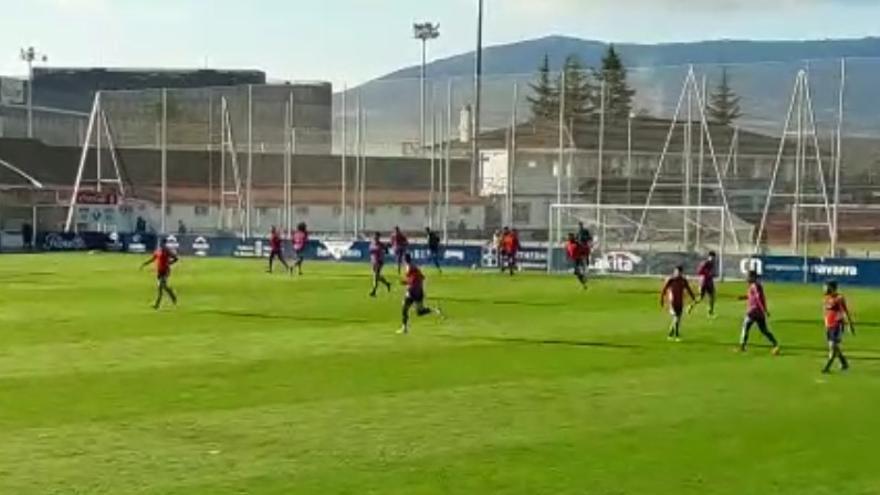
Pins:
<point x="575" y="252"/>
<point x="276" y="252"/>
<point x="434" y="247"/>
<point x="836" y="319"/>
<point x="673" y="291"/>
<point x="756" y="313"/>
<point x="300" y="241"/>
<point x="415" y="294"/>
<point x="707" y="272"/>
<point x="378" y="250"/>
<point x="164" y="259"/>
<point x="399" y="245"/>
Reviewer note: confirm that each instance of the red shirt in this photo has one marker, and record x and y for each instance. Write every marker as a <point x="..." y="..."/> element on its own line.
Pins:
<point x="275" y="241"/>
<point x="300" y="239"/>
<point x="398" y="240"/>
<point x="510" y="244"/>
<point x="574" y="250"/>
<point x="706" y="271"/>
<point x="377" y="252"/>
<point x="414" y="278"/>
<point x="835" y="311"/>
<point x="674" y="290"/>
<point x="756" y="301"/>
<point x="163" y="260"/>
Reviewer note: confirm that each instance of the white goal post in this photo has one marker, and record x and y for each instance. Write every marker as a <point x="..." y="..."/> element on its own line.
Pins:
<point x="652" y="237"/>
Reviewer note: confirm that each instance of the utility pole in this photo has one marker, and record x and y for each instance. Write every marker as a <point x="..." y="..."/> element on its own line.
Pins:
<point x="424" y="31"/>
<point x="30" y="55"/>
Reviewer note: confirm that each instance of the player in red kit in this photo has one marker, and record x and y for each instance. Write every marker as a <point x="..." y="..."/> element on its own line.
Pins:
<point x="300" y="241"/>
<point x="415" y="294"/>
<point x="575" y="252"/>
<point x="399" y="245"/>
<point x="707" y="271"/>
<point x="509" y="249"/>
<point x="837" y="318"/>
<point x="673" y="291"/>
<point x="378" y="250"/>
<point x="276" y="252"/>
<point x="164" y="259"/>
<point x="756" y="313"/>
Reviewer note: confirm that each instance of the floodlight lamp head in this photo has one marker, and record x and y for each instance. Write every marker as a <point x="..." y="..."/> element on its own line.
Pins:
<point x="426" y="31"/>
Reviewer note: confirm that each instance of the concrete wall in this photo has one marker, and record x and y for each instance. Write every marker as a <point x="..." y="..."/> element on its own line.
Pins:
<point x="320" y="218"/>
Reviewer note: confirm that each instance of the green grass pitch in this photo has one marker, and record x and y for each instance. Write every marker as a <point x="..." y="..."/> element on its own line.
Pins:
<point x="263" y="384"/>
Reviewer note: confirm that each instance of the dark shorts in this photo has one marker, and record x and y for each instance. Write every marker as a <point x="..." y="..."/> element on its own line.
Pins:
<point x="676" y="309"/>
<point x="834" y="334"/>
<point x="414" y="296"/>
<point x="299" y="254"/>
<point x="377" y="266"/>
<point x="275" y="253"/>
<point x="707" y="289"/>
<point x="163" y="275"/>
<point x="758" y="319"/>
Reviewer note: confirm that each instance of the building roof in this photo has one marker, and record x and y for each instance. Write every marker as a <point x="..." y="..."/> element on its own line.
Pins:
<point x="649" y="135"/>
<point x="274" y="197"/>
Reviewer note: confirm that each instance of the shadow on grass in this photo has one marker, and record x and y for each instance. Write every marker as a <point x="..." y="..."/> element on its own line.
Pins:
<point x="818" y="323"/>
<point x="502" y="302"/>
<point x="15" y="277"/>
<point x="277" y="317"/>
<point x="787" y="350"/>
<point x="819" y="351"/>
<point x="551" y="342"/>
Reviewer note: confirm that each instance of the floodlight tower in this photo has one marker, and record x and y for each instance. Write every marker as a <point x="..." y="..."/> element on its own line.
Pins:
<point x="30" y="55"/>
<point x="424" y="31"/>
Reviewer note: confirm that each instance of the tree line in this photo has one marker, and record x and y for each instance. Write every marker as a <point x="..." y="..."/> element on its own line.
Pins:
<point x="581" y="89"/>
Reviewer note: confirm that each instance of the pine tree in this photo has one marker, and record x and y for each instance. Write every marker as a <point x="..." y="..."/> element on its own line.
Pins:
<point x="724" y="105"/>
<point x="543" y="101"/>
<point x="618" y="94"/>
<point x="579" y="91"/>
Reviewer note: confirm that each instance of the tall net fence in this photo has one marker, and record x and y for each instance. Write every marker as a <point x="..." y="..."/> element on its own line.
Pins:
<point x="401" y="151"/>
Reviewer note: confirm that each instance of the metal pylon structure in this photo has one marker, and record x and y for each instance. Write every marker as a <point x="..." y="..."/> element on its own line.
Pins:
<point x="99" y="136"/>
<point x="691" y="104"/>
<point x="800" y="126"/>
<point x="230" y="172"/>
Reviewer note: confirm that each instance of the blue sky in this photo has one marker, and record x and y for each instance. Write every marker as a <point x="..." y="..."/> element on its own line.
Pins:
<point x="355" y="40"/>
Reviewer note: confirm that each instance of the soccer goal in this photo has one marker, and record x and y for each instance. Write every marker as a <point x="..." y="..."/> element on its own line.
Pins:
<point x="645" y="240"/>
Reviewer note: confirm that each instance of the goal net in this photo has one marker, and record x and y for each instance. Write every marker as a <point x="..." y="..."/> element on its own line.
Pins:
<point x="646" y="240"/>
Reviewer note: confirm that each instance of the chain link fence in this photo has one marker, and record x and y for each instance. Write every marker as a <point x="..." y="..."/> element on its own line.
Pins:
<point x="400" y="151"/>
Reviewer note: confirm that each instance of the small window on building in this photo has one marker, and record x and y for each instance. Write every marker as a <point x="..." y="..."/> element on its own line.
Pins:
<point x="167" y="209"/>
<point x="405" y="211"/>
<point x="302" y="210"/>
<point x="521" y="213"/>
<point x="371" y="210"/>
<point x="201" y="211"/>
<point x="263" y="212"/>
<point x="465" y="210"/>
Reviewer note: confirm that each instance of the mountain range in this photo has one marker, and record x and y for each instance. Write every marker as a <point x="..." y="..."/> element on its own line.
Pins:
<point x="763" y="74"/>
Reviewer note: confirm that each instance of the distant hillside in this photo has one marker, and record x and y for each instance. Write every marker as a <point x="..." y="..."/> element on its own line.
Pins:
<point x="762" y="73"/>
<point x="523" y="57"/>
